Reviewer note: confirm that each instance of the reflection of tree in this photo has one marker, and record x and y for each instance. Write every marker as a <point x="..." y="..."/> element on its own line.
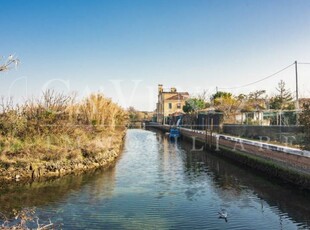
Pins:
<point x="201" y="167"/>
<point x="103" y="186"/>
<point x="38" y="194"/>
<point x="234" y="183"/>
<point x="204" y="172"/>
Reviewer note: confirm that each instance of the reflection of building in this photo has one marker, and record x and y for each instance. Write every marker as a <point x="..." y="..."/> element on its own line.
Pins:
<point x="169" y="102"/>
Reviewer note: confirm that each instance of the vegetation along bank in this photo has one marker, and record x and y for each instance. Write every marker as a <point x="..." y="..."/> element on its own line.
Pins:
<point x="56" y="135"/>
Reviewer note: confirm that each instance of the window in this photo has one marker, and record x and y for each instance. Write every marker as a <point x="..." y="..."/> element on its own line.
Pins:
<point x="179" y="105"/>
<point x="170" y="105"/>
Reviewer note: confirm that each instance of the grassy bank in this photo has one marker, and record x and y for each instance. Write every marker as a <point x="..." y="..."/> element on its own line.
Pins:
<point x="56" y="135"/>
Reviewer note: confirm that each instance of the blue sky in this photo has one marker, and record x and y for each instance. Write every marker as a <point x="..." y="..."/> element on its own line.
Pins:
<point x="125" y="48"/>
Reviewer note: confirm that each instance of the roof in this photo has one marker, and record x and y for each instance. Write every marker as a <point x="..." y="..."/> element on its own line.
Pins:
<point x="210" y="110"/>
<point x="178" y="96"/>
<point x="183" y="93"/>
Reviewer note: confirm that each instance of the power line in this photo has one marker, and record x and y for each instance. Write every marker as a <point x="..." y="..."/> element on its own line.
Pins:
<point x="304" y="63"/>
<point x="269" y="76"/>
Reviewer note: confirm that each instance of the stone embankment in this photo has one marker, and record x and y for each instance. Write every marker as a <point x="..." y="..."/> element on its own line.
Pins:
<point x="288" y="164"/>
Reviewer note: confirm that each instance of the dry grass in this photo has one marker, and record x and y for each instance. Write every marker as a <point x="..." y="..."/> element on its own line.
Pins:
<point x="56" y="128"/>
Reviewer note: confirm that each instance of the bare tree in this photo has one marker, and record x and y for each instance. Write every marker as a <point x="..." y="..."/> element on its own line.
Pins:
<point x="203" y="95"/>
<point x="256" y="95"/>
<point x="9" y="63"/>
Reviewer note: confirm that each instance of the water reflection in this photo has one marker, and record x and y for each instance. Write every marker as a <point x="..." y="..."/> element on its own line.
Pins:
<point x="159" y="184"/>
<point x="233" y="183"/>
<point x="42" y="193"/>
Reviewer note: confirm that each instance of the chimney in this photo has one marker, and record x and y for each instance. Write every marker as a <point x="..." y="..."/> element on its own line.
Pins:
<point x="160" y="88"/>
<point x="173" y="90"/>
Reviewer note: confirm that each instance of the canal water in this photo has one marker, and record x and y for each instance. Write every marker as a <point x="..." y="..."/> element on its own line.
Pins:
<point x="158" y="184"/>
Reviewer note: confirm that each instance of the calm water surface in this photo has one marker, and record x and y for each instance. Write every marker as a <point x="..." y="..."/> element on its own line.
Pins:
<point x="157" y="184"/>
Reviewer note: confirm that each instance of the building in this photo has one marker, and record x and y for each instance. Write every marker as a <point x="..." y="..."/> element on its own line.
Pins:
<point x="255" y="117"/>
<point x="210" y="119"/>
<point x="169" y="102"/>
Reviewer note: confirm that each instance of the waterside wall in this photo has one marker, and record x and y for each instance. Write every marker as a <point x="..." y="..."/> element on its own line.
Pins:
<point x="284" y="163"/>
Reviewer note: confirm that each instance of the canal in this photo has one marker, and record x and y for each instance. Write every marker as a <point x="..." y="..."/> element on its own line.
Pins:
<point x="158" y="184"/>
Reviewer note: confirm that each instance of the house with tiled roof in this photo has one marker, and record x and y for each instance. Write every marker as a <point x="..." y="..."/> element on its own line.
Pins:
<point x="169" y="102"/>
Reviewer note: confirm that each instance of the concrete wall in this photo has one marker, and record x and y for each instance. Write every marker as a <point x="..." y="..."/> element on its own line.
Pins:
<point x="292" y="168"/>
<point x="275" y="133"/>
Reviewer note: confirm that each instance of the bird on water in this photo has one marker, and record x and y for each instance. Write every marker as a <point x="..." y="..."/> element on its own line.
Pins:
<point x="223" y="214"/>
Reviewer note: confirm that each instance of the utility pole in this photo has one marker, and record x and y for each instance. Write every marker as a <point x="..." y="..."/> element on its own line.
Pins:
<point x="297" y="99"/>
<point x="296" y="74"/>
<point x="216" y="89"/>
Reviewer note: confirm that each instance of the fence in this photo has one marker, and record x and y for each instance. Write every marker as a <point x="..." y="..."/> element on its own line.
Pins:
<point x="283" y="134"/>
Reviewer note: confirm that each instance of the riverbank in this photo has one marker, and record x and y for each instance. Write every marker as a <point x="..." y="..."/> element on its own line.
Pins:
<point x="56" y="136"/>
<point x="286" y="164"/>
<point x="174" y="186"/>
<point x="99" y="152"/>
